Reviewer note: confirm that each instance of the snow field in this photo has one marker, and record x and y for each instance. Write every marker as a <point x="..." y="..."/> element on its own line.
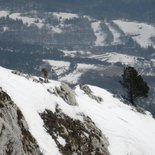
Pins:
<point x="140" y="32"/>
<point x="98" y="33"/>
<point x="59" y="67"/>
<point x="76" y="74"/>
<point x="116" y="57"/>
<point x="128" y="132"/>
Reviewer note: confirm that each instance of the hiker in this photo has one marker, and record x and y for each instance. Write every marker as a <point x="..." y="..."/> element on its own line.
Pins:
<point x="45" y="73"/>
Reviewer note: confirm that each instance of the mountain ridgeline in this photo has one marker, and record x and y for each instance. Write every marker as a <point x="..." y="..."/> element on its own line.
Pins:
<point x="132" y="9"/>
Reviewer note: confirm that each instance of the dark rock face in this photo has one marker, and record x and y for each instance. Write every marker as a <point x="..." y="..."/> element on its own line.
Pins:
<point x="15" y="139"/>
<point x="80" y="138"/>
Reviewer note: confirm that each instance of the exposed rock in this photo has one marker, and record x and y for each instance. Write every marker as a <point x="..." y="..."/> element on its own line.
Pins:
<point x="17" y="72"/>
<point x="89" y="92"/>
<point x="28" y="76"/>
<point x="66" y="93"/>
<point x="140" y="110"/>
<point x="15" y="139"/>
<point x="36" y="80"/>
<point x="80" y="138"/>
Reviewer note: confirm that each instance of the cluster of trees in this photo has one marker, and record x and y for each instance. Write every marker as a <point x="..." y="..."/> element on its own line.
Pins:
<point x="134" y="84"/>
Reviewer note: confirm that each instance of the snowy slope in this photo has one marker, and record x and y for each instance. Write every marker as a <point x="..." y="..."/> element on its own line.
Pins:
<point x="27" y="20"/>
<point x="100" y="37"/>
<point x="128" y="132"/>
<point x="4" y="13"/>
<point x="74" y="76"/>
<point x="116" y="34"/>
<point x="59" y="67"/>
<point x="116" y="57"/>
<point x="140" y="32"/>
<point x="63" y="15"/>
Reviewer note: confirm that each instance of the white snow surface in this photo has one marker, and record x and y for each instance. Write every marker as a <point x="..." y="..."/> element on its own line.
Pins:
<point x="75" y="53"/>
<point x="4" y="13"/>
<point x="27" y="20"/>
<point x="140" y="32"/>
<point x="116" y="57"/>
<point x="96" y="26"/>
<point x="58" y="66"/>
<point x="63" y="15"/>
<point x="74" y="76"/>
<point x="116" y="34"/>
<point x="128" y="132"/>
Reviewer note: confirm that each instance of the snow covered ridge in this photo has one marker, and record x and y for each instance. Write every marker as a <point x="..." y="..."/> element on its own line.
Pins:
<point x="118" y="128"/>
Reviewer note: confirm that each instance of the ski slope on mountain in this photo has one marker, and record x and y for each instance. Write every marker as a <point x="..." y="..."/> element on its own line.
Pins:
<point x="115" y="33"/>
<point x="128" y="132"/>
<point x="140" y="32"/>
<point x="100" y="37"/>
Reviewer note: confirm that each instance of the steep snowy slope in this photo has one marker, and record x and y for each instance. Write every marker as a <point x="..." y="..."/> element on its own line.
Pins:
<point x="15" y="138"/>
<point x="127" y="131"/>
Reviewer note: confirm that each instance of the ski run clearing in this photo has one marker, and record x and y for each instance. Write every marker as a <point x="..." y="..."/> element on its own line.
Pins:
<point x="140" y="32"/>
<point x="128" y="132"/>
<point x="100" y="37"/>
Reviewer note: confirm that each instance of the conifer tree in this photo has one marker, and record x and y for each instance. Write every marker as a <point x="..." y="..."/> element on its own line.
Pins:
<point x="135" y="85"/>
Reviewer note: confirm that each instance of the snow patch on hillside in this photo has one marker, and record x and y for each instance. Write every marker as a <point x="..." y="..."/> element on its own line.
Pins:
<point x="76" y="74"/>
<point x="116" y="57"/>
<point x="4" y="13"/>
<point x="116" y="34"/>
<point x="140" y="32"/>
<point x="59" y="67"/>
<point x="5" y="28"/>
<point x="63" y="15"/>
<point x="56" y="29"/>
<point x="27" y="20"/>
<point x="98" y="33"/>
<point x="75" y="53"/>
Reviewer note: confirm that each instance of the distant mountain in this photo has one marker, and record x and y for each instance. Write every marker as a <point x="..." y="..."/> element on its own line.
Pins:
<point x="52" y="119"/>
<point x="131" y="9"/>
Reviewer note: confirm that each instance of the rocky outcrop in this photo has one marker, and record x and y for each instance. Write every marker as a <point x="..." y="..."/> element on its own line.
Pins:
<point x="89" y="92"/>
<point x="28" y="76"/>
<point x="66" y="93"/>
<point x="15" y="139"/>
<point x="74" y="137"/>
